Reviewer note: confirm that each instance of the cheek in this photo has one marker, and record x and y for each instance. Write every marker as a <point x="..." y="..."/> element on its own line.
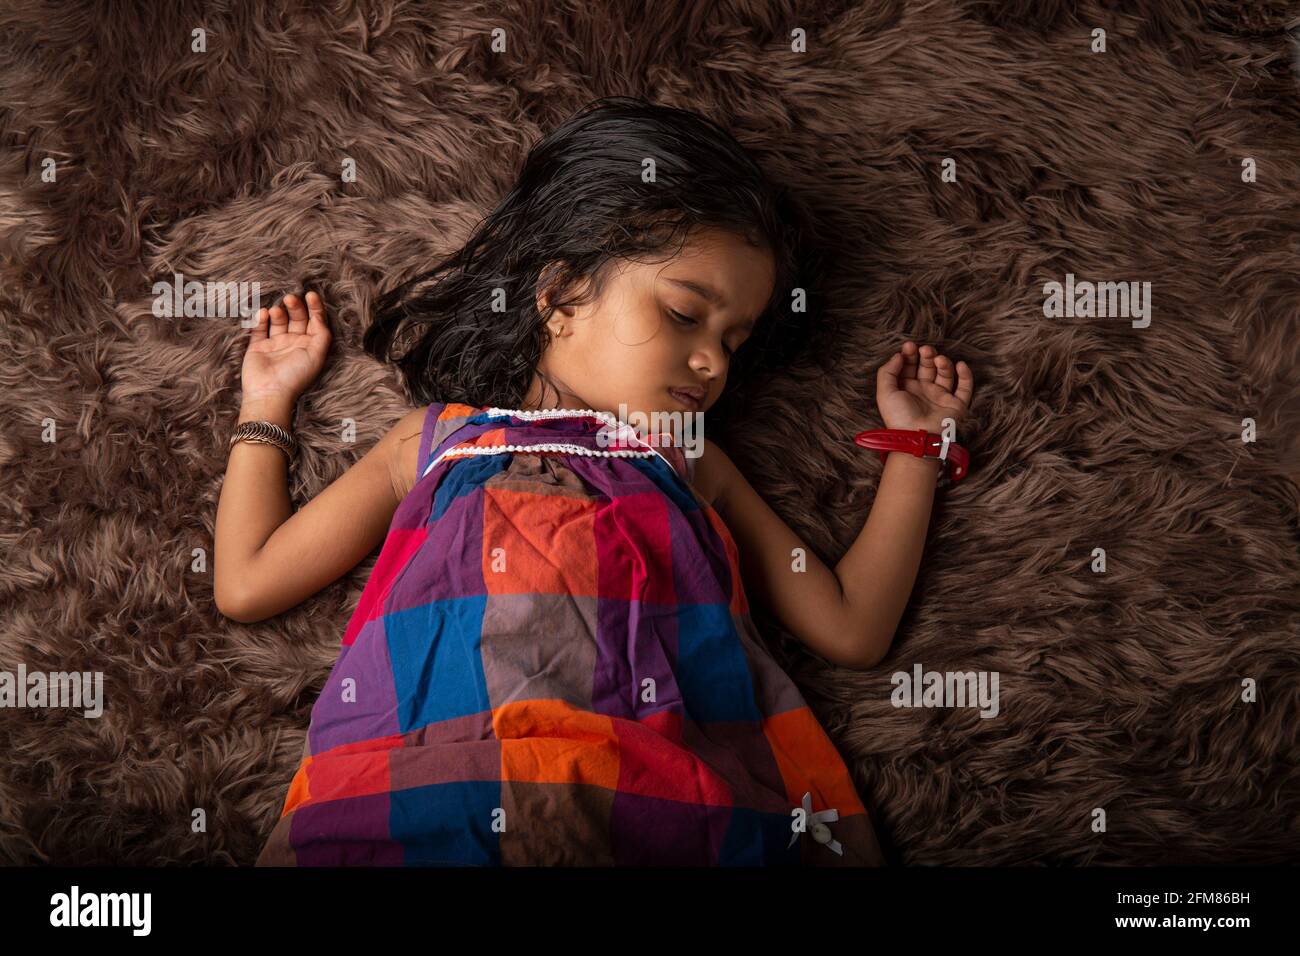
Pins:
<point x="643" y="330"/>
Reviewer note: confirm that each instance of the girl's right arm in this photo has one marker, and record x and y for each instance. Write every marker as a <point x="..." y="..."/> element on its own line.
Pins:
<point x="268" y="558"/>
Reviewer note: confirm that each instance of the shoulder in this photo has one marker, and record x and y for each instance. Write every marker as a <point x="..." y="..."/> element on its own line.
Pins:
<point x="712" y="474"/>
<point x="403" y="441"/>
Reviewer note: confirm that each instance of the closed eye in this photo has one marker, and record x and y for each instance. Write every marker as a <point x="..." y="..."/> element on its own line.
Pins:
<point x="688" y="321"/>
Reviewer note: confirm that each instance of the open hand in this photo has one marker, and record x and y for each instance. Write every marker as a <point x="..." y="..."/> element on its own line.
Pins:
<point x="918" y="388"/>
<point x="286" y="349"/>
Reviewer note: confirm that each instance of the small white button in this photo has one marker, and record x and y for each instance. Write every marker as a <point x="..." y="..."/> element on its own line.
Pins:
<point x="821" y="832"/>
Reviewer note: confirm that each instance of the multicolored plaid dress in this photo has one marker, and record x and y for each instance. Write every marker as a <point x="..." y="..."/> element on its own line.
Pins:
<point x="553" y="663"/>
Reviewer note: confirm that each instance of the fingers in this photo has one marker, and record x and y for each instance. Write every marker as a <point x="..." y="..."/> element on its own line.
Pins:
<point x="258" y="329"/>
<point x="887" y="377"/>
<point x="279" y="321"/>
<point x="944" y="372"/>
<point x="887" y="374"/>
<point x="297" y="314"/>
<point x="965" y="383"/>
<point x="316" y="309"/>
<point x="926" y="369"/>
<point x="319" y="341"/>
<point x="937" y="390"/>
<point x="910" y="354"/>
<point x="919" y="370"/>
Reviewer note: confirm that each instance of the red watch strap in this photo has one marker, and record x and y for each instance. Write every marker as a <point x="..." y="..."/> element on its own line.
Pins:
<point x="921" y="443"/>
<point x="885" y="440"/>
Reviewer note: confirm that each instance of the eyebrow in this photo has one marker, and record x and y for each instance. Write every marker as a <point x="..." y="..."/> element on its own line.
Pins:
<point x="710" y="293"/>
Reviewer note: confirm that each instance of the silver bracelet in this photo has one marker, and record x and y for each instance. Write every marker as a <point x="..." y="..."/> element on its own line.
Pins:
<point x="267" y="433"/>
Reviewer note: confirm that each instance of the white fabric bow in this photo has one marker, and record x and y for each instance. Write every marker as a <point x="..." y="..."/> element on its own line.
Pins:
<point x="820" y="817"/>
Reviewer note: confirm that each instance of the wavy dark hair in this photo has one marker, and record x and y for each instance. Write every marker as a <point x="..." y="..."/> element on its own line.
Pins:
<point x="580" y="202"/>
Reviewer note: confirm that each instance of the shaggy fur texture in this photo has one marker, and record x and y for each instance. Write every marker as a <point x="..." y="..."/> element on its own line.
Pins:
<point x="1119" y="691"/>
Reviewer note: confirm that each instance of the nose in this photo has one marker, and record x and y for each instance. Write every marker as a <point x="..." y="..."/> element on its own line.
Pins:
<point x="710" y="360"/>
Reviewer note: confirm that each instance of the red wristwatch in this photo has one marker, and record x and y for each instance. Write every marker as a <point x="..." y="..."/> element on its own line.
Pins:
<point x="921" y="443"/>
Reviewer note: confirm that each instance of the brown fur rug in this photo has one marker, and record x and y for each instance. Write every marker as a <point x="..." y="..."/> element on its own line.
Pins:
<point x="1119" y="691"/>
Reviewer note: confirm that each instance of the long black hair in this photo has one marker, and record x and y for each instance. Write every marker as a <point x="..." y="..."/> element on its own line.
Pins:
<point x="581" y="201"/>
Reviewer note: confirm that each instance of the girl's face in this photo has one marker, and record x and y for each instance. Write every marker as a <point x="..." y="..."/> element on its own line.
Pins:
<point x="658" y="327"/>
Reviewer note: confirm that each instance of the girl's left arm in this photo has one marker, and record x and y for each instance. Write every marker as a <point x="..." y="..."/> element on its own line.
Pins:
<point x="847" y="615"/>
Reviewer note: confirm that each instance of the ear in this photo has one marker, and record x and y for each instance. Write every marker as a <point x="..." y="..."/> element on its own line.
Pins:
<point x="546" y="286"/>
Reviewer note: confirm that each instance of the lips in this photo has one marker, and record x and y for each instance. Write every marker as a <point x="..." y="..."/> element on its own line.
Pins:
<point x="692" y="398"/>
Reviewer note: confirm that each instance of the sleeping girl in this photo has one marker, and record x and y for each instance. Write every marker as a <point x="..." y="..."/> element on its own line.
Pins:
<point x="553" y="661"/>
